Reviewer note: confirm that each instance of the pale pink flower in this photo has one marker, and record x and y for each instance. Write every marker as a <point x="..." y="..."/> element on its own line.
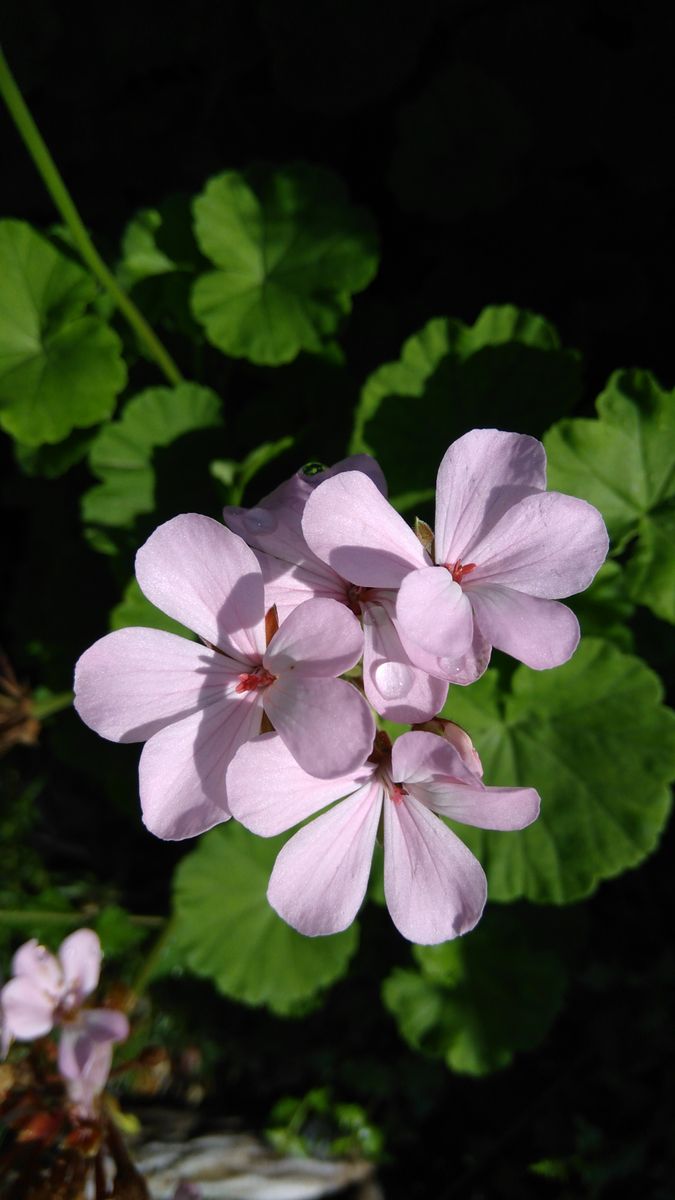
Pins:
<point x="434" y="887"/>
<point x="396" y="687"/>
<point x="505" y="552"/>
<point x="196" y="704"/>
<point x="49" y="991"/>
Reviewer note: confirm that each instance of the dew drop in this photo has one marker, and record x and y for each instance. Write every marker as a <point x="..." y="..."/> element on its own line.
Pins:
<point x="393" y="679"/>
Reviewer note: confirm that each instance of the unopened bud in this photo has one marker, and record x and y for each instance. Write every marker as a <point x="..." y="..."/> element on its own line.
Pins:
<point x="457" y="737"/>
<point x="425" y="535"/>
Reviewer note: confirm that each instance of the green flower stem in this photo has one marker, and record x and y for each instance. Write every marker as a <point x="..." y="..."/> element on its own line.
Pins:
<point x="31" y="916"/>
<point x="51" y="705"/>
<point x="151" y="960"/>
<point x="59" y="193"/>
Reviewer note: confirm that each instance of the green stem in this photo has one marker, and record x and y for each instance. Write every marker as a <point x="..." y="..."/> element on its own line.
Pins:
<point x="145" y="974"/>
<point x="51" y="705"/>
<point x="59" y="193"/>
<point x="31" y="916"/>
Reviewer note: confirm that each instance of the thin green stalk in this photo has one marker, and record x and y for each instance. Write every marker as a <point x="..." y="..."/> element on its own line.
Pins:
<point x="31" y="916"/>
<point x="51" y="705"/>
<point x="147" y="970"/>
<point x="59" y="193"/>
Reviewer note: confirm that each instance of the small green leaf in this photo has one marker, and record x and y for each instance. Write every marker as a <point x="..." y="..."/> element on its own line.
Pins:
<point x="595" y="740"/>
<point x="227" y="931"/>
<point x="508" y="367"/>
<point x="117" y="931"/>
<point x="59" y="369"/>
<point x="479" y="999"/>
<point x="122" y="453"/>
<point x="291" y="250"/>
<point x="235" y="476"/>
<point x="135" y="609"/>
<point x="624" y="463"/>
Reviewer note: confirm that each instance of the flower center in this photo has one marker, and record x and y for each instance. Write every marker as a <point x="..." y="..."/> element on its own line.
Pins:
<point x="396" y="792"/>
<point x="458" y="569"/>
<point x="250" y="680"/>
<point x="356" y="596"/>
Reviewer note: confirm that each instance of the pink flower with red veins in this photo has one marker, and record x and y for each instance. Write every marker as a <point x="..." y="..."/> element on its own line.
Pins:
<point x="505" y="552"/>
<point x="394" y="685"/>
<point x="47" y="991"/>
<point x="194" y="705"/>
<point x="434" y="887"/>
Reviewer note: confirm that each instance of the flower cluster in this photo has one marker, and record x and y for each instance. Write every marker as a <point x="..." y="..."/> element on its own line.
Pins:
<point x="48" y="991"/>
<point x="254" y="722"/>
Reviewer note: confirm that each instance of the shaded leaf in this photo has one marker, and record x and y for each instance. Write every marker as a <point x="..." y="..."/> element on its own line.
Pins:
<point x="478" y="1000"/>
<point x="227" y="931"/>
<point x="624" y="463"/>
<point x="235" y="476"/>
<point x="59" y="369"/>
<point x="506" y="370"/>
<point x="595" y="740"/>
<point x="291" y="250"/>
<point x="122" y="454"/>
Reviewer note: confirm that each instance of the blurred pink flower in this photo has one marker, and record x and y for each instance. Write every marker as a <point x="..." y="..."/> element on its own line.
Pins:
<point x="196" y="704"/>
<point x="505" y="552"/>
<point x="434" y="887"/>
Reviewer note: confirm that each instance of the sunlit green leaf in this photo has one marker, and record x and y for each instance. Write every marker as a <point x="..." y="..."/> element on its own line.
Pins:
<point x="290" y="251"/>
<point x="477" y="1000"/>
<point x="235" y="476"/>
<point x="227" y="931"/>
<point x="135" y="609"/>
<point x="595" y="740"/>
<point x="624" y="463"/>
<point x="59" y="369"/>
<point x="122" y="453"/>
<point x="506" y="370"/>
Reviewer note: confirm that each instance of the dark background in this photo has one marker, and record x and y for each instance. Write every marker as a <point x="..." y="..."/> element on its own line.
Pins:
<point x="509" y="152"/>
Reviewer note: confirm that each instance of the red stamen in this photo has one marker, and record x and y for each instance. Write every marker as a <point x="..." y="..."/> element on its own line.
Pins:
<point x="458" y="570"/>
<point x="397" y="792"/>
<point x="251" y="680"/>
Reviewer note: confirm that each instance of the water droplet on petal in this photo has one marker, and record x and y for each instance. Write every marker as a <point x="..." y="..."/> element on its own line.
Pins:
<point x="393" y="679"/>
<point x="260" y="520"/>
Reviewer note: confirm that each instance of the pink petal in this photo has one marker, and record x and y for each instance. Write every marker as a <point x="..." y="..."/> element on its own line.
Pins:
<point x="80" y="956"/>
<point x="396" y="688"/>
<point x="325" y="723"/>
<point x="420" y="757"/>
<point x="133" y="682"/>
<point x="547" y="545"/>
<point x="481" y="476"/>
<point x="320" y="638"/>
<point x="42" y="968"/>
<point x="433" y="612"/>
<point x="350" y="525"/>
<point x="183" y="767"/>
<point x="203" y="575"/>
<point x="268" y="792"/>
<point x="27" y="1011"/>
<point x="464" y="670"/>
<point x="434" y="887"/>
<point x="459" y="738"/>
<point x="275" y="525"/>
<point x="540" y="633"/>
<point x="321" y="875"/>
<point x="287" y="586"/>
<point x="484" y="808"/>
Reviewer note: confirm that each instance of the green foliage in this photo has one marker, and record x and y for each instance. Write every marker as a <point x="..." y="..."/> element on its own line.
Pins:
<point x="227" y="931"/>
<point x="122" y="453"/>
<point x="319" y="1125"/>
<point x="604" y="609"/>
<point x="118" y="933"/>
<point x="235" y="476"/>
<point x="478" y="1000"/>
<point x="624" y="463"/>
<point x="595" y="740"/>
<point x="506" y="370"/>
<point x="160" y="258"/>
<point x="59" y="369"/>
<point x="290" y="252"/>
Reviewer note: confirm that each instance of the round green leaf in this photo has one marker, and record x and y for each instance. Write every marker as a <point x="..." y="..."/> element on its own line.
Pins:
<point x="479" y="999"/>
<point x="291" y="250"/>
<point x="227" y="931"/>
<point x="508" y="366"/>
<point x="624" y="463"/>
<point x="595" y="740"/>
<point x="59" y="369"/>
